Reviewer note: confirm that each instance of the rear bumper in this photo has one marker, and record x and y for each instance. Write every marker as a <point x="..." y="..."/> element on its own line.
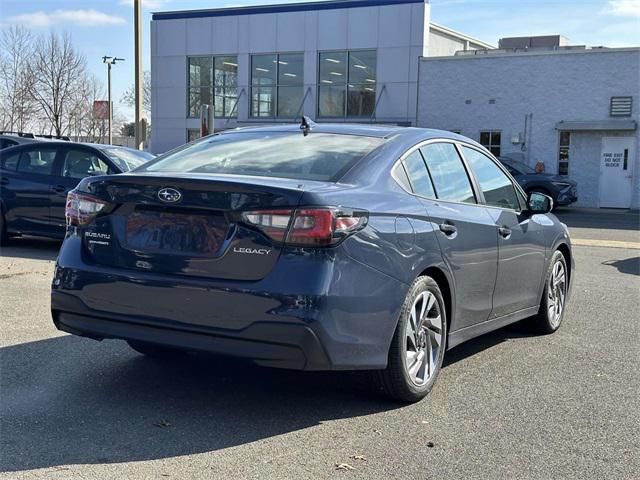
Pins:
<point x="322" y="311"/>
<point x="273" y="345"/>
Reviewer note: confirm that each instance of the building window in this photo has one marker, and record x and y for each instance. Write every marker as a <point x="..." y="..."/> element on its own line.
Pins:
<point x="621" y="106"/>
<point x="213" y="81"/>
<point x="193" y="134"/>
<point x="347" y="83"/>
<point x="491" y="140"/>
<point x="563" y="156"/>
<point x="277" y="85"/>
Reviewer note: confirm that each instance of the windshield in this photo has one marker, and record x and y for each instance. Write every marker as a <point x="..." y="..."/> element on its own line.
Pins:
<point x="317" y="156"/>
<point x="518" y="166"/>
<point x="126" y="158"/>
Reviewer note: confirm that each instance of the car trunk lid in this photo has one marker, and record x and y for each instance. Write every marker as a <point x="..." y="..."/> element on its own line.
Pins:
<point x="185" y="225"/>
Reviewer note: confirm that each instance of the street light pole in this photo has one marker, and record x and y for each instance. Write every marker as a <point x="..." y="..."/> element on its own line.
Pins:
<point x="110" y="61"/>
<point x="137" y="17"/>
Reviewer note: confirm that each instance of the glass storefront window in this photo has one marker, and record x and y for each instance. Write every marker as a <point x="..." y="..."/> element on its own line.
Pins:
<point x="212" y="81"/>
<point x="225" y="78"/>
<point x="347" y="83"/>
<point x="277" y="85"/>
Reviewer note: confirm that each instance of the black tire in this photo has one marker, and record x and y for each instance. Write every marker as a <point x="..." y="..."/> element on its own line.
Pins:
<point x="548" y="320"/>
<point x="3" y="230"/>
<point x="395" y="380"/>
<point x="156" y="351"/>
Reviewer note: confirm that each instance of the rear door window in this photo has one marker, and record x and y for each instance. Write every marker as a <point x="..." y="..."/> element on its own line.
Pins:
<point x="83" y="163"/>
<point x="5" y="143"/>
<point x="418" y="175"/>
<point x="449" y="175"/>
<point x="37" y="161"/>
<point x="9" y="162"/>
<point x="496" y="186"/>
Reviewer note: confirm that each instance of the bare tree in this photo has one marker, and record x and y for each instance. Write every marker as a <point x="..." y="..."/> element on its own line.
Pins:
<point x="59" y="73"/>
<point x="16" y="103"/>
<point x="129" y="96"/>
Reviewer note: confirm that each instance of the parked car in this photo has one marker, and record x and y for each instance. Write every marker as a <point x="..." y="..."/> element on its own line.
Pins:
<point x="341" y="247"/>
<point x="562" y="190"/>
<point x="36" y="177"/>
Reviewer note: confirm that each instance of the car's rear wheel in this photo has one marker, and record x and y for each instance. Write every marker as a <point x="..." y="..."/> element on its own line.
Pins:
<point x="552" y="305"/>
<point x="417" y="348"/>
<point x="155" y="351"/>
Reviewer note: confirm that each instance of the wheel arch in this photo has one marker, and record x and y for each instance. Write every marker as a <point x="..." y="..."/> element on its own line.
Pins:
<point x="446" y="287"/>
<point x="566" y="253"/>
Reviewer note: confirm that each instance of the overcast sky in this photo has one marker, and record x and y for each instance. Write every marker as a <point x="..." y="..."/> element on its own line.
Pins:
<point x="105" y="27"/>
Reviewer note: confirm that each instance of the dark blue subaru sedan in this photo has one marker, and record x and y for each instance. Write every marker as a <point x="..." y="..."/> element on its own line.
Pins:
<point x="321" y="247"/>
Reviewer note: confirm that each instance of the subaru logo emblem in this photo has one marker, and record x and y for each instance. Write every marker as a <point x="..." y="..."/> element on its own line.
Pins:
<point x="169" y="195"/>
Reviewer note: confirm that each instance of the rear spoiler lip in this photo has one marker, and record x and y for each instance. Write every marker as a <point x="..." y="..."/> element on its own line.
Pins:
<point x="249" y="181"/>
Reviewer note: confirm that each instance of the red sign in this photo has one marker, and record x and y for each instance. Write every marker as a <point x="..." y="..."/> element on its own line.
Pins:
<point x="101" y="109"/>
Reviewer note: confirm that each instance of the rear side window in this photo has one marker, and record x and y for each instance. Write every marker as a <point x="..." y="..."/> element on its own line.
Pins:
<point x="5" y="142"/>
<point x="9" y="162"/>
<point x="418" y="174"/>
<point x="497" y="188"/>
<point x="39" y="161"/>
<point x="449" y="176"/>
<point x="82" y="163"/>
<point x="401" y="176"/>
<point x="317" y="156"/>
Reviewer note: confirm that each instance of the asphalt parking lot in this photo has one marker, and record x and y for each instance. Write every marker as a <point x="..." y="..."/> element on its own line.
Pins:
<point x="507" y="405"/>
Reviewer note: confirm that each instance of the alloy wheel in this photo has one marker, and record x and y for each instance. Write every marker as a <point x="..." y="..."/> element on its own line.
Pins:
<point x="423" y="338"/>
<point x="556" y="293"/>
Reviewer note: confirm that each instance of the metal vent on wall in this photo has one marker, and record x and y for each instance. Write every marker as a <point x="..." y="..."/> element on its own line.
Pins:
<point x="621" y="106"/>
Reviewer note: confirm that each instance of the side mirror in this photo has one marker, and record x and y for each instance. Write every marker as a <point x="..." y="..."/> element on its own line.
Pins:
<point x="539" y="203"/>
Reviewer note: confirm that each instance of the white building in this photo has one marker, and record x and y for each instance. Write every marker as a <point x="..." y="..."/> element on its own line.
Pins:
<point x="340" y="60"/>
<point x="575" y="109"/>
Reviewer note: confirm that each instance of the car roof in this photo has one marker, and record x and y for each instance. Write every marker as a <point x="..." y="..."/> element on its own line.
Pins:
<point x="370" y="130"/>
<point x="57" y="143"/>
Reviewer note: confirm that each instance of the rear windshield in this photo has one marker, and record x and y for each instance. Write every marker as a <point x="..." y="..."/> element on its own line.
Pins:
<point x="127" y="159"/>
<point x="318" y="156"/>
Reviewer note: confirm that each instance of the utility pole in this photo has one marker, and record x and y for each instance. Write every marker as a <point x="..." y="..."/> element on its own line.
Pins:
<point x="110" y="61"/>
<point x="137" y="22"/>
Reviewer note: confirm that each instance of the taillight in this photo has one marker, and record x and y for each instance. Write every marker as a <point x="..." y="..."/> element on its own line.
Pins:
<point x="81" y="208"/>
<point x="307" y="227"/>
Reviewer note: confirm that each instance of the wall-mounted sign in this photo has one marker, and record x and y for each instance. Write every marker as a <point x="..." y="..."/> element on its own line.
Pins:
<point x="101" y="109"/>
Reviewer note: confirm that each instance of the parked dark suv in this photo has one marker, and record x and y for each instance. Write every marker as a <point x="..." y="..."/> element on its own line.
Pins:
<point x="562" y="190"/>
<point x="36" y="177"/>
<point x="338" y="247"/>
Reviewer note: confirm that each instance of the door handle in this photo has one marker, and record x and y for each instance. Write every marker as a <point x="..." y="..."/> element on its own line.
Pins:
<point x="58" y="188"/>
<point x="504" y="232"/>
<point x="4" y="181"/>
<point x="448" y="228"/>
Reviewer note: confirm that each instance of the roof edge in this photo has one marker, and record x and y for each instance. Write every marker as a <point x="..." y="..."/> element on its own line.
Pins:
<point x="532" y="53"/>
<point x="277" y="8"/>
<point x="454" y="33"/>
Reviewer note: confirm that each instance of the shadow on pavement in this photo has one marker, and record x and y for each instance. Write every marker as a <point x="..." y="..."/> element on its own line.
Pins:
<point x="629" y="265"/>
<point x="32" y="248"/>
<point x="68" y="400"/>
<point x="485" y="342"/>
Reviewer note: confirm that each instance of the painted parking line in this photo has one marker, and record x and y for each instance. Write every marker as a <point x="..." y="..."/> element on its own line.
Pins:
<point x="583" y="242"/>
